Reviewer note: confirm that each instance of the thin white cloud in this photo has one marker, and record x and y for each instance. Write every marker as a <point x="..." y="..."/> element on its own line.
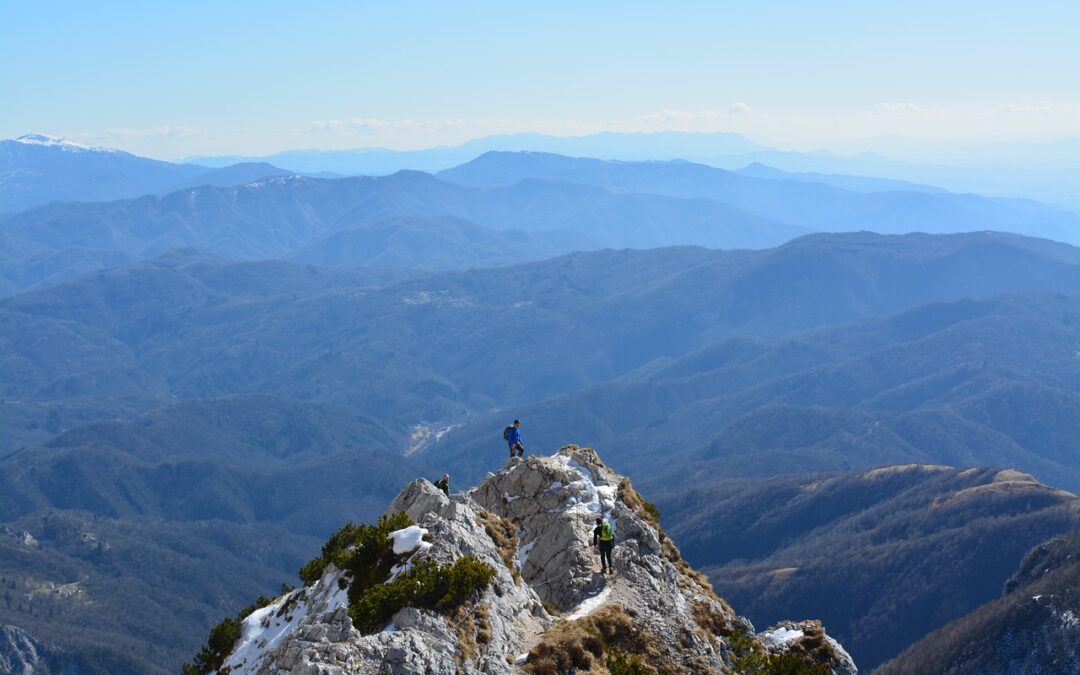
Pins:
<point x="154" y="133"/>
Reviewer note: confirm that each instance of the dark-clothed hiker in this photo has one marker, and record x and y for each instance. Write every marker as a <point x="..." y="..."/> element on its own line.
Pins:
<point x="512" y="436"/>
<point x="444" y="484"/>
<point x="603" y="537"/>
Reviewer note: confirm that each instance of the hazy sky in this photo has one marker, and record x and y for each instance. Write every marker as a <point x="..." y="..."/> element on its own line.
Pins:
<point x="180" y="78"/>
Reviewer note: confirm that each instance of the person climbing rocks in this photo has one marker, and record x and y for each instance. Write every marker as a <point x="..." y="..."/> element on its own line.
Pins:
<point x="603" y="537"/>
<point x="512" y="436"/>
<point x="444" y="484"/>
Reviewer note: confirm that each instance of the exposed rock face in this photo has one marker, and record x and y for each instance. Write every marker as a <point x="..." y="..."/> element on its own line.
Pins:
<point x="532" y="522"/>
<point x="21" y="654"/>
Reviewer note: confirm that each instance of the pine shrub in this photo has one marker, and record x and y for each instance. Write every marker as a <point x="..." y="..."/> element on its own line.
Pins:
<point x="428" y="585"/>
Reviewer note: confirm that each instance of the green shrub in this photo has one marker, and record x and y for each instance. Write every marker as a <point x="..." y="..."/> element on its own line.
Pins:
<point x="428" y="585"/>
<point x="364" y="551"/>
<point x="752" y="659"/>
<point x="222" y="638"/>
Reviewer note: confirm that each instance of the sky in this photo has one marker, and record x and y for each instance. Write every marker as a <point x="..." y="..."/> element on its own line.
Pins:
<point x="174" y="79"/>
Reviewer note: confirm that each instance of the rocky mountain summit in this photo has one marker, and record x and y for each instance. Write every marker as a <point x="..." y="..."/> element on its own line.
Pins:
<point x="534" y="600"/>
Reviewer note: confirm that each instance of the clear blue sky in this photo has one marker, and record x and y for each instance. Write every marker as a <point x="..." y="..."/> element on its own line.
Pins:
<point x="169" y="79"/>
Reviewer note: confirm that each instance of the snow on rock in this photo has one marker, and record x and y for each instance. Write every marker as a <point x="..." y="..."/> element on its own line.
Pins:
<point x="408" y="539"/>
<point x="265" y="628"/>
<point x="786" y="635"/>
<point x="523" y="554"/>
<point x="588" y="605"/>
<point x="56" y="142"/>
<point x="781" y="637"/>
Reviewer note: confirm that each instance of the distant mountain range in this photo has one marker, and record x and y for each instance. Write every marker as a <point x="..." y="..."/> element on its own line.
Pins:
<point x="882" y="556"/>
<point x="467" y="217"/>
<point x="814" y="205"/>
<point x="1042" y="171"/>
<point x="286" y="216"/>
<point x="610" y="145"/>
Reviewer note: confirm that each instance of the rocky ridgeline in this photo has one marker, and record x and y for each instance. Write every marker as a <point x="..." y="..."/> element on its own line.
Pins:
<point x="548" y="609"/>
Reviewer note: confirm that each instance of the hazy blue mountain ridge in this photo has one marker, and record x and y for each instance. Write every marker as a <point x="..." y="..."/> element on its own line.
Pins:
<point x="280" y="216"/>
<point x="808" y="204"/>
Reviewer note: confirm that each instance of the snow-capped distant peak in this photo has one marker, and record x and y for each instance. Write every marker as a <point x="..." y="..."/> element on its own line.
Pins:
<point x="55" y="142"/>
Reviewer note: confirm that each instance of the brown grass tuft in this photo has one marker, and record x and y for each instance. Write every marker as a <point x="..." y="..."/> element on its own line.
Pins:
<point x="503" y="534"/>
<point x="581" y="646"/>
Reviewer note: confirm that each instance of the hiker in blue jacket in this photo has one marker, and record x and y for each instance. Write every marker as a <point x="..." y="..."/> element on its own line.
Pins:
<point x="512" y="436"/>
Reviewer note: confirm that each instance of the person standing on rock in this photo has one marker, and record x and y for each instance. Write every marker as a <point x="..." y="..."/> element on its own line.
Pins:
<point x="512" y="435"/>
<point x="603" y="537"/>
<point x="444" y="484"/>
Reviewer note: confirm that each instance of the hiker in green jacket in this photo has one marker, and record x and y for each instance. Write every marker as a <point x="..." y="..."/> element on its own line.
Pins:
<point x="603" y="537"/>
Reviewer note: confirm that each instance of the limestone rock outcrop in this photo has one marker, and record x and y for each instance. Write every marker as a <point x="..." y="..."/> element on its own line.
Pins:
<point x="532" y="522"/>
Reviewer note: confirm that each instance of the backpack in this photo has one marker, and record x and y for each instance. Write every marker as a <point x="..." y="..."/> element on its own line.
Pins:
<point x="606" y="533"/>
<point x="506" y="432"/>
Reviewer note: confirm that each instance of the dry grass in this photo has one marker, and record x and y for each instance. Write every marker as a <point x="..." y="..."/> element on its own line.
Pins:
<point x="503" y="534"/>
<point x="641" y="508"/>
<point x="581" y="646"/>
<point x="473" y="625"/>
<point x="813" y="644"/>
<point x="466" y="634"/>
<point x="711" y="620"/>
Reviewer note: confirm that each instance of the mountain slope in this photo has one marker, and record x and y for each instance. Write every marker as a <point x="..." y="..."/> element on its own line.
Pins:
<point x="438" y="348"/>
<point x="37" y="169"/>
<point x="993" y="381"/>
<point x="1032" y="628"/>
<point x="239" y="459"/>
<point x="882" y="557"/>
<point x="436" y="243"/>
<point x="135" y="595"/>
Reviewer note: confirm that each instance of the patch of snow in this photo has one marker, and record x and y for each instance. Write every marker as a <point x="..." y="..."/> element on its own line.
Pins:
<point x="606" y="494"/>
<point x="523" y="554"/>
<point x="588" y="605"/>
<point x="509" y="497"/>
<point x="45" y="140"/>
<point x="390" y="628"/>
<point x="522" y="659"/>
<point x="1036" y="597"/>
<point x="594" y="500"/>
<point x="781" y="637"/>
<point x="555" y="485"/>
<point x="408" y="539"/>
<point x="264" y="628"/>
